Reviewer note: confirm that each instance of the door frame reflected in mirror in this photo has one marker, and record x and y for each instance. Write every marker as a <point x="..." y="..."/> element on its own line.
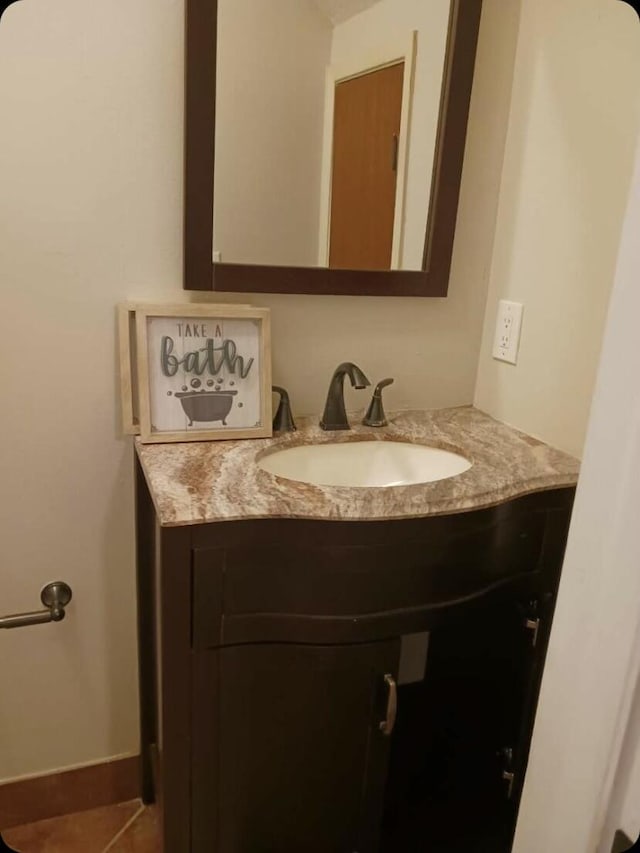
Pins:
<point x="201" y="273"/>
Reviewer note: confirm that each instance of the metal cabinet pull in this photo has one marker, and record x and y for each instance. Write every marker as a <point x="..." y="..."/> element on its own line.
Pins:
<point x="55" y="597"/>
<point x="386" y="726"/>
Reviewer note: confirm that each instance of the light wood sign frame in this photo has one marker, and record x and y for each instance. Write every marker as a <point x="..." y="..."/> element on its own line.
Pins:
<point x="195" y="372"/>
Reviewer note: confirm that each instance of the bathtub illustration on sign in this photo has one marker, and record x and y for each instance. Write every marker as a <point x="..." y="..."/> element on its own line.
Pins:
<point x="206" y="406"/>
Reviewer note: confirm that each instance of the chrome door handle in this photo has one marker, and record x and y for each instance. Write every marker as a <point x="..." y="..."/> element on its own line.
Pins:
<point x="386" y="726"/>
<point x="55" y="597"/>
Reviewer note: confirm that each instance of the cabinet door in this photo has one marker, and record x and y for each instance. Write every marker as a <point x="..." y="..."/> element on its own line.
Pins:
<point x="294" y="740"/>
<point x="460" y="733"/>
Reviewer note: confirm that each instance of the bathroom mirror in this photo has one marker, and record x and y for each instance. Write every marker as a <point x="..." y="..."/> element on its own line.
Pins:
<point x="325" y="141"/>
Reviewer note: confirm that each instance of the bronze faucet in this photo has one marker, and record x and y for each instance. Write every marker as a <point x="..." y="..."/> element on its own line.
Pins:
<point x="335" y="415"/>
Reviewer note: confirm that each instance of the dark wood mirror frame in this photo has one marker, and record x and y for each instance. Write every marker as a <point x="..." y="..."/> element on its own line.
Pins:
<point x="200" y="273"/>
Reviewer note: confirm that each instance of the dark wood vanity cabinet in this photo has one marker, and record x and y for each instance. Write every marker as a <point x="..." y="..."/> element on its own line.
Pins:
<point x="270" y="651"/>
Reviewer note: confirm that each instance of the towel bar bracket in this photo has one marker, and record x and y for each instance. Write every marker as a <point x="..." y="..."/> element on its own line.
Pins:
<point x="54" y="596"/>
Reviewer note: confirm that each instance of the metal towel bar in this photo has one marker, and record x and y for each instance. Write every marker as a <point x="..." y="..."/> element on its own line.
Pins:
<point x="55" y="597"/>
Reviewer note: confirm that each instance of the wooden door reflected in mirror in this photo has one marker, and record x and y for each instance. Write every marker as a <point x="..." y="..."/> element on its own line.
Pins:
<point x="364" y="231"/>
<point x="335" y="133"/>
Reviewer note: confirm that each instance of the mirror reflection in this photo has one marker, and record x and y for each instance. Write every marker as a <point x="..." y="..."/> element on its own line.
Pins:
<point x="326" y="125"/>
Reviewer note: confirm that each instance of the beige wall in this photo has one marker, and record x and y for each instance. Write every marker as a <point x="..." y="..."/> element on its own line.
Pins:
<point x="272" y="58"/>
<point x="568" y="161"/>
<point x="91" y="100"/>
<point x="91" y="103"/>
<point x="90" y="210"/>
<point x="90" y="214"/>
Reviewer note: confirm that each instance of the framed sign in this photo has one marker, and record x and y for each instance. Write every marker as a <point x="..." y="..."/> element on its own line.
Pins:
<point x="202" y="372"/>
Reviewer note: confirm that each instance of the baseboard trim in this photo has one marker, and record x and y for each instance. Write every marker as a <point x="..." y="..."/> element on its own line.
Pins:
<point x="41" y="797"/>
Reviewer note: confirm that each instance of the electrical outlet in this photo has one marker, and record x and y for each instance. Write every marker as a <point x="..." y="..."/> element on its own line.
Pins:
<point x="217" y="256"/>
<point x="507" y="337"/>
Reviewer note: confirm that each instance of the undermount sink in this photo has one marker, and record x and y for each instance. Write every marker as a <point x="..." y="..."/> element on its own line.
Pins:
<point x="365" y="464"/>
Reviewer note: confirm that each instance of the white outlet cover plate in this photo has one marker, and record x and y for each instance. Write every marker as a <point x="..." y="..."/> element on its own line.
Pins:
<point x="508" y="326"/>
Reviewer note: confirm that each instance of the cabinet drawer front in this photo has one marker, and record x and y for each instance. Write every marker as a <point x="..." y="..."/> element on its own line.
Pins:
<point x="318" y="579"/>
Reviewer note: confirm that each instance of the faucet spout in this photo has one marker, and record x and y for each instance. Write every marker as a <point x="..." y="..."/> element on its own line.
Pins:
<point x="334" y="416"/>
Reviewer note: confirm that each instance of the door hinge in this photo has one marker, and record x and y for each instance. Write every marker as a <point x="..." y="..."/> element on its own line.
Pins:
<point x="533" y="625"/>
<point x="510" y="777"/>
<point x="507" y="773"/>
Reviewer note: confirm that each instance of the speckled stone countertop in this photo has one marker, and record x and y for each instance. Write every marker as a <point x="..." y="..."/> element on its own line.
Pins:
<point x="200" y="482"/>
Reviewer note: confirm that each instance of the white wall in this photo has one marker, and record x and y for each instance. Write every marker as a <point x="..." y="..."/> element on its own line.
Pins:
<point x="594" y="654"/>
<point x="572" y="132"/>
<point x="269" y="116"/>
<point x="392" y="21"/>
<point x="629" y="820"/>
<point x="623" y="812"/>
<point x="91" y="105"/>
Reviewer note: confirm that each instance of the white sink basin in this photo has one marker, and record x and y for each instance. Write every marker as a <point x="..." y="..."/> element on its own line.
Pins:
<point x="364" y="464"/>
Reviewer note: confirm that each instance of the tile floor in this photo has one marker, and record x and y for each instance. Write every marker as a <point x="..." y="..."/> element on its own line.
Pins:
<point x="123" y="828"/>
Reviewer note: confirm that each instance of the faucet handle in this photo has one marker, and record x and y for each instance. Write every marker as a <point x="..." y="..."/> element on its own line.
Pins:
<point x="375" y="416"/>
<point x="283" y="419"/>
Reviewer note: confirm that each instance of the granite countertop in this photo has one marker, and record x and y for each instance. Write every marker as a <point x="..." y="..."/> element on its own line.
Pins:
<point x="200" y="482"/>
